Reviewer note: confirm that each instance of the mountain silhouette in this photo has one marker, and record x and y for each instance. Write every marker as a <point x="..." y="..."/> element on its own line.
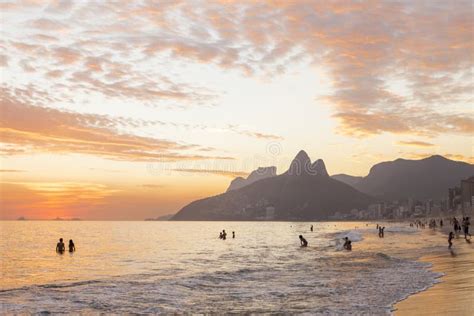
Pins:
<point x="347" y="179"/>
<point x="303" y="192"/>
<point x="427" y="178"/>
<point x="259" y="174"/>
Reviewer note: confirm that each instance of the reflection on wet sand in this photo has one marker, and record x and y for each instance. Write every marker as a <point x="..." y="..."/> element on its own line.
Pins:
<point x="455" y="294"/>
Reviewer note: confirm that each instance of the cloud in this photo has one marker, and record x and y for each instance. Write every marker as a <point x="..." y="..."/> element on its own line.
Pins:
<point x="415" y="143"/>
<point x="253" y="134"/>
<point x="11" y="170"/>
<point x="39" y="129"/>
<point x="457" y="157"/>
<point x="400" y="67"/>
<point x="3" y="60"/>
<point x="225" y="173"/>
<point x="460" y="158"/>
<point x="151" y="186"/>
<point x="55" y="26"/>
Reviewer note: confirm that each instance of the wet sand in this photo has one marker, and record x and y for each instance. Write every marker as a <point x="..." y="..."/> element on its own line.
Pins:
<point x="454" y="295"/>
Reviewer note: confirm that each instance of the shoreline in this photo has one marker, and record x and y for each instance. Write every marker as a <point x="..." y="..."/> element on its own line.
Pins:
<point x="453" y="293"/>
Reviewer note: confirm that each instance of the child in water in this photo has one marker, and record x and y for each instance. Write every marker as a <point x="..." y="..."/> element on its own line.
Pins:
<point x="303" y="241"/>
<point x="450" y="238"/>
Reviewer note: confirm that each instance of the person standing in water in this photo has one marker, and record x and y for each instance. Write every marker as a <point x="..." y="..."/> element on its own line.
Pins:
<point x="347" y="243"/>
<point x="60" y="246"/>
<point x="381" y="231"/>
<point x="303" y="241"/>
<point x="224" y="234"/>
<point x="465" y="225"/>
<point x="450" y="239"/>
<point x="233" y="234"/>
<point x="311" y="228"/>
<point x="72" y="247"/>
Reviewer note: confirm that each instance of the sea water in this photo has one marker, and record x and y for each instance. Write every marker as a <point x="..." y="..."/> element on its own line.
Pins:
<point x="176" y="267"/>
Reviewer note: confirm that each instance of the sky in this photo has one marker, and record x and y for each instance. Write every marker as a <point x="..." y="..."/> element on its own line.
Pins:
<point x="125" y="110"/>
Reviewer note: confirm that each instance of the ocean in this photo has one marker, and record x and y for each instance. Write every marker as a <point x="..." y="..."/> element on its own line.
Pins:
<point x="177" y="267"/>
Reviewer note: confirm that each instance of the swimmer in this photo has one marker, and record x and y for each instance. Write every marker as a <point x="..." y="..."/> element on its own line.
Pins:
<point x="72" y="247"/>
<point x="60" y="246"/>
<point x="303" y="241"/>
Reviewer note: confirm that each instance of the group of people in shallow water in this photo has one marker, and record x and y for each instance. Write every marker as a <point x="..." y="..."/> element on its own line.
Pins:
<point x="347" y="242"/>
<point x="223" y="235"/>
<point x="458" y="227"/>
<point x="61" y="248"/>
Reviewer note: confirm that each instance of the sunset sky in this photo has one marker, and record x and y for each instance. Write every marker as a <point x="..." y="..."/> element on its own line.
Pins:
<point x="127" y="110"/>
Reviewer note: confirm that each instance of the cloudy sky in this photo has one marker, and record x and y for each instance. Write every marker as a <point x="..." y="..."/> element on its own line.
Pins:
<point x="132" y="109"/>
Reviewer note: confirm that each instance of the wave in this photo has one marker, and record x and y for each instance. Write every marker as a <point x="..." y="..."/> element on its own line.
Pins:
<point x="353" y="235"/>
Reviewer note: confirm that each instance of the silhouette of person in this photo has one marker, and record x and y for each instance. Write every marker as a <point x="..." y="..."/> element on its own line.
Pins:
<point x="381" y="233"/>
<point x="224" y="234"/>
<point x="349" y="245"/>
<point x="465" y="223"/>
<point x="311" y="228"/>
<point x="72" y="247"/>
<point x="346" y="242"/>
<point x="303" y="241"/>
<point x="450" y="239"/>
<point x="233" y="234"/>
<point x="60" y="246"/>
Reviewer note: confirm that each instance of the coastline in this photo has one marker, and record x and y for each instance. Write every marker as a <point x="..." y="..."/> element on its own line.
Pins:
<point x="454" y="294"/>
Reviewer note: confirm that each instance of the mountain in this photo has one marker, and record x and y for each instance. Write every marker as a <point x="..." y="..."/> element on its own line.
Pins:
<point x="427" y="178"/>
<point x="259" y="174"/>
<point x="303" y="192"/>
<point x="347" y="179"/>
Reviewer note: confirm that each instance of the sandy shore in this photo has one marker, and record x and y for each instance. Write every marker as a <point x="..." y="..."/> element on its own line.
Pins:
<point x="454" y="295"/>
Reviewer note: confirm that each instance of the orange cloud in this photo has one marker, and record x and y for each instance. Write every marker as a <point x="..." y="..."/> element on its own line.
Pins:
<point x="225" y="173"/>
<point x="39" y="129"/>
<point x="458" y="157"/>
<point x="415" y="143"/>
<point x="395" y="67"/>
<point x="151" y="186"/>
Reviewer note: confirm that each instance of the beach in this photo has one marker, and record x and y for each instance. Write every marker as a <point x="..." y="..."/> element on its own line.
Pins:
<point x="183" y="267"/>
<point x="454" y="294"/>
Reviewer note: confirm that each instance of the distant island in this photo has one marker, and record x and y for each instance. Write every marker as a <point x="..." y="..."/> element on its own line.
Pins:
<point x="67" y="219"/>
<point x="305" y="191"/>
<point x="21" y="218"/>
<point x="166" y="217"/>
